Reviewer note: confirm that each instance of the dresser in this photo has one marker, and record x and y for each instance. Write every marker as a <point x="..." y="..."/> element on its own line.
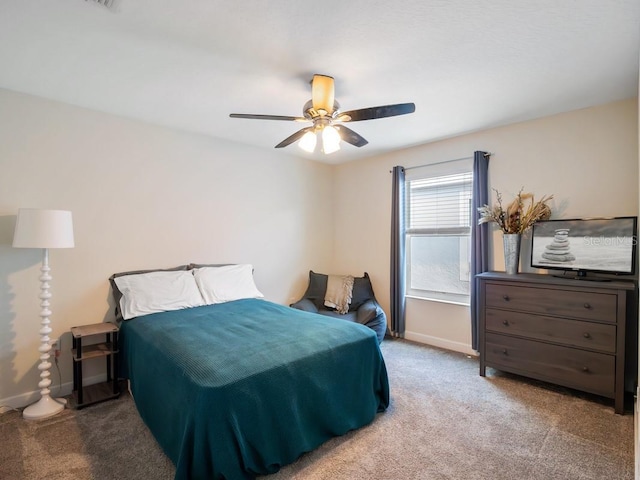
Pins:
<point x="563" y="331"/>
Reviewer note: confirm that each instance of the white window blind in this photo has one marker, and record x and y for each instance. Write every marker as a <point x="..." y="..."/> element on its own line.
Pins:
<point x="438" y="214"/>
<point x="440" y="205"/>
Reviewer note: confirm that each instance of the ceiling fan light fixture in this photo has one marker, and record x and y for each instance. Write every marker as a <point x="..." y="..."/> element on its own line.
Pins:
<point x="323" y="111"/>
<point x="330" y="140"/>
<point x="308" y="142"/>
<point x="322" y="94"/>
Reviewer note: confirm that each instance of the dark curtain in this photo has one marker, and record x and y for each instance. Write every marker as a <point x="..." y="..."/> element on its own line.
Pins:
<point x="398" y="286"/>
<point x="479" y="236"/>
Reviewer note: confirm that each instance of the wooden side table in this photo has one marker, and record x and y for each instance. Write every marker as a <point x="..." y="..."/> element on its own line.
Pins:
<point x="99" y="392"/>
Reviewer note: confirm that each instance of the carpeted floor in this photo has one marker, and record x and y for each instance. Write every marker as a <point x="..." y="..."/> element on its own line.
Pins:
<point x="444" y="422"/>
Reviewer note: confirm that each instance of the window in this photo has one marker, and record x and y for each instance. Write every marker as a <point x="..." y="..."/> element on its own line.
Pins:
<point x="438" y="209"/>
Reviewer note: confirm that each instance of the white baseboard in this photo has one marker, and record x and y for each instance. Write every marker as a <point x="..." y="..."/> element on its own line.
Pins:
<point x="440" y="342"/>
<point x="24" y="399"/>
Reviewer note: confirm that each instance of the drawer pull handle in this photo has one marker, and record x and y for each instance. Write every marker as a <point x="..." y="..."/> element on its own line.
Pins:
<point x="588" y="306"/>
<point x="585" y="369"/>
<point x="586" y="335"/>
<point x="506" y="298"/>
<point x="505" y="323"/>
<point x="504" y="351"/>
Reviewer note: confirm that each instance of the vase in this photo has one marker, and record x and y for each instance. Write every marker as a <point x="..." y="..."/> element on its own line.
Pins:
<point x="511" y="243"/>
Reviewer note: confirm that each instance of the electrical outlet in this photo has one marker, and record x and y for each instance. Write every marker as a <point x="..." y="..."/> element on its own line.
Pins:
<point x="55" y="346"/>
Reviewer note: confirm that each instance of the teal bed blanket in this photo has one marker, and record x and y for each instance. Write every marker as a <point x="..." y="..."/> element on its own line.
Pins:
<point x="239" y="389"/>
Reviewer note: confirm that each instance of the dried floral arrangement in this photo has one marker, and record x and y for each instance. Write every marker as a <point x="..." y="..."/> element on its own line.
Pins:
<point x="519" y="215"/>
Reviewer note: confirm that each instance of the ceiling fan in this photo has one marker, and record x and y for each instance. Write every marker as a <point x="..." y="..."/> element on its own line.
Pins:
<point x="323" y="111"/>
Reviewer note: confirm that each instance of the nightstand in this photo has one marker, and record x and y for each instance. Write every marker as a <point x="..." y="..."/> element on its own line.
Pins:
<point x="82" y="352"/>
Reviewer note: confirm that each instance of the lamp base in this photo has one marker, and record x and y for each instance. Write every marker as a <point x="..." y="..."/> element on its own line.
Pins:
<point x="43" y="408"/>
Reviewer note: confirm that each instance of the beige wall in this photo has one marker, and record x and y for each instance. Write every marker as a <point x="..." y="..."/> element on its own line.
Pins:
<point x="142" y="197"/>
<point x="145" y="196"/>
<point x="587" y="158"/>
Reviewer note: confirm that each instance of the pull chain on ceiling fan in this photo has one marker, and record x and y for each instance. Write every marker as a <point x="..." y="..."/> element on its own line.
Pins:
<point x="324" y="113"/>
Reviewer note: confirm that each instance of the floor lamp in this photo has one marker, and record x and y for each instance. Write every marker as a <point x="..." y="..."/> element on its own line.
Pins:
<point x="45" y="229"/>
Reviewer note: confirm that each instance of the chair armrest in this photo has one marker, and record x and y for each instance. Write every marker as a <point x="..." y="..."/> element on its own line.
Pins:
<point x="367" y="311"/>
<point x="371" y="314"/>
<point x="306" y="305"/>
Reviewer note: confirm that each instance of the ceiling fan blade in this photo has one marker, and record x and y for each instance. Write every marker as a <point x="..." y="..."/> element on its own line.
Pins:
<point x="350" y="136"/>
<point x="268" y="117"/>
<point x="322" y="93"/>
<point x="377" y="112"/>
<point x="292" y="138"/>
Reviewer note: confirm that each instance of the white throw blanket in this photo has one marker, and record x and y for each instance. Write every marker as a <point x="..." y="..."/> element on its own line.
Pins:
<point x="339" y="292"/>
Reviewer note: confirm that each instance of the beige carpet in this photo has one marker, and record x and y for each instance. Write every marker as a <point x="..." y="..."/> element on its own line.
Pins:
<point x="444" y="422"/>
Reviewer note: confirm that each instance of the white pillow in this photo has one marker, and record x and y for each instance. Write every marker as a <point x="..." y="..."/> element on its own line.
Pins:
<point x="153" y="292"/>
<point x="224" y="284"/>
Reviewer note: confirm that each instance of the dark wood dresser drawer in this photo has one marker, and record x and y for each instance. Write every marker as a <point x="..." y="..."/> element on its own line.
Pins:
<point x="563" y="331"/>
<point x="580" y="369"/>
<point x="551" y="301"/>
<point x="572" y="332"/>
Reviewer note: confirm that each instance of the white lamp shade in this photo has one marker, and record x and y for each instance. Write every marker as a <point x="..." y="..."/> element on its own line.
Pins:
<point x="308" y="142"/>
<point x="330" y="140"/>
<point x="37" y="228"/>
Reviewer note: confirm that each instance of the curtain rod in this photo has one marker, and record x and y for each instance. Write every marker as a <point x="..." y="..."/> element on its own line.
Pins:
<point x="488" y="154"/>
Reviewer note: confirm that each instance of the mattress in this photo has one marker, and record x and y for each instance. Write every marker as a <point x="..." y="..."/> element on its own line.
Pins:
<point x="240" y="389"/>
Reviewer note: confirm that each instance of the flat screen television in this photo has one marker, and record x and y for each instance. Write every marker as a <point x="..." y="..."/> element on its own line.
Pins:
<point x="598" y="245"/>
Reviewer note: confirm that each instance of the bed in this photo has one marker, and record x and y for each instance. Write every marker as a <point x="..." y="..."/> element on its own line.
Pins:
<point x="237" y="389"/>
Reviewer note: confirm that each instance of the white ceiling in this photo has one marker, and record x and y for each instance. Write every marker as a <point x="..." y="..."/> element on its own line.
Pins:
<point x="466" y="64"/>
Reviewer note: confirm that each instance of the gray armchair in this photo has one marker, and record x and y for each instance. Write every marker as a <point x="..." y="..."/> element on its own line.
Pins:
<point x="364" y="308"/>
